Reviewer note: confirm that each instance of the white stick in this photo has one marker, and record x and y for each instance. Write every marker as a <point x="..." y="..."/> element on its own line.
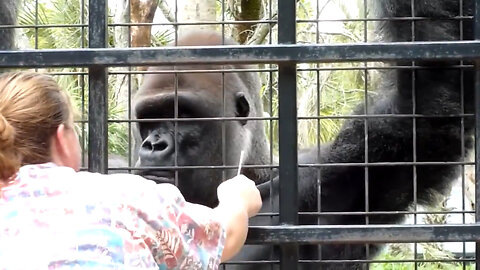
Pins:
<point x="240" y="163"/>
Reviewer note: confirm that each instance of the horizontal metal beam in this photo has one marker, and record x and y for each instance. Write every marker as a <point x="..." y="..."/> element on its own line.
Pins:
<point x="312" y="234"/>
<point x="454" y="50"/>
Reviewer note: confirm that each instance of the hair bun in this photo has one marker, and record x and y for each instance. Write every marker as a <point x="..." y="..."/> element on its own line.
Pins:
<point x="9" y="158"/>
<point x="6" y="132"/>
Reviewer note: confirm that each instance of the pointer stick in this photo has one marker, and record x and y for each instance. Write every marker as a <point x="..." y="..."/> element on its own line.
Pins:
<point x="240" y="163"/>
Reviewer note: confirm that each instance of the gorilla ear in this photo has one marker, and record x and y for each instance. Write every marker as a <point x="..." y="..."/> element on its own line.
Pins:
<point x="242" y="108"/>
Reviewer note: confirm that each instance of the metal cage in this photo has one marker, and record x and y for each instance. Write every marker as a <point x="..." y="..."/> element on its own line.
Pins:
<point x="283" y="58"/>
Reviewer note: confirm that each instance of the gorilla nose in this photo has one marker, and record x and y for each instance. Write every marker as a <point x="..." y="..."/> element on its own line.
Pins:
<point x="157" y="147"/>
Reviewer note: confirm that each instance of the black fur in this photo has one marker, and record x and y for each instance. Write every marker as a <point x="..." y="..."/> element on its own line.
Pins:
<point x="436" y="90"/>
<point x="7" y="17"/>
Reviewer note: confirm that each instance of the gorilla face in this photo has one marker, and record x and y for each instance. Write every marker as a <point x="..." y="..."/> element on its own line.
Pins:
<point x="190" y="139"/>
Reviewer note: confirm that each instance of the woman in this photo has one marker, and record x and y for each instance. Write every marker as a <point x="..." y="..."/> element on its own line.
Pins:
<point x="52" y="216"/>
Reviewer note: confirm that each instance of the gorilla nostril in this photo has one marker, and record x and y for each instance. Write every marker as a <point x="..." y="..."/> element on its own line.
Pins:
<point x="157" y="146"/>
<point x="147" y="145"/>
<point x="160" y="146"/>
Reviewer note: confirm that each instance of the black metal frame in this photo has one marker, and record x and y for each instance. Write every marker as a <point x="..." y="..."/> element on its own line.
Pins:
<point x="477" y="129"/>
<point x="287" y="54"/>
<point x="256" y="54"/>
<point x="98" y="89"/>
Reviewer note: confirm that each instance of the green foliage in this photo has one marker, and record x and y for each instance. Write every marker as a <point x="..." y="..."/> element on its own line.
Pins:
<point x="434" y="255"/>
<point x="327" y="93"/>
<point x="54" y="12"/>
<point x="162" y="38"/>
<point x="392" y="260"/>
<point x="323" y="89"/>
<point x="68" y="12"/>
<point x="269" y="96"/>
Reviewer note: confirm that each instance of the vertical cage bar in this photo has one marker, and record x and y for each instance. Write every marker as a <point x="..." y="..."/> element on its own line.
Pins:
<point x="366" y="134"/>
<point x="287" y="113"/>
<point x="319" y="125"/>
<point x="131" y="146"/>
<point x="462" y="129"/>
<point x="36" y="24"/>
<point x="477" y="155"/>
<point x="82" y="82"/>
<point x="414" y="135"/>
<point x="476" y="19"/>
<point x="98" y="90"/>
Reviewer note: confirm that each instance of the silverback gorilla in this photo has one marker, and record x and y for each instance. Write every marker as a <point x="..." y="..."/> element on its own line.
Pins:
<point x="200" y="142"/>
<point x="433" y="89"/>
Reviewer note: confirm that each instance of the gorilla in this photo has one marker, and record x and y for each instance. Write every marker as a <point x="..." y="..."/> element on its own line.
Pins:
<point x="199" y="143"/>
<point x="437" y="92"/>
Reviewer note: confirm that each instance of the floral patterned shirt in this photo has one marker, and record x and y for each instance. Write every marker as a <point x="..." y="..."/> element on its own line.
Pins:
<point x="52" y="217"/>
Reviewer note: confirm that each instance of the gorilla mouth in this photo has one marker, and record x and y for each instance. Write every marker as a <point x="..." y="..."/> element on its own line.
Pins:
<point x="159" y="177"/>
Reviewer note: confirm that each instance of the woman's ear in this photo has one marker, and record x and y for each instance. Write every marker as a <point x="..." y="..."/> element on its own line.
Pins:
<point x="60" y="141"/>
<point x="65" y="148"/>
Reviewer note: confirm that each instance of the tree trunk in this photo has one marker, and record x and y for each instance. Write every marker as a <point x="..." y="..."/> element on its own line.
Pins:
<point x="120" y="15"/>
<point x="167" y="12"/>
<point x="262" y="29"/>
<point x="196" y="11"/>
<point x="246" y="10"/>
<point x="142" y="11"/>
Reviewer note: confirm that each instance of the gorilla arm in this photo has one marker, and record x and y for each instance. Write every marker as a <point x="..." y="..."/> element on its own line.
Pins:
<point x="434" y="92"/>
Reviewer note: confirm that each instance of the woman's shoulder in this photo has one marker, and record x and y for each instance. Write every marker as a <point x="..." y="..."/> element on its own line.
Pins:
<point x="118" y="180"/>
<point x="99" y="185"/>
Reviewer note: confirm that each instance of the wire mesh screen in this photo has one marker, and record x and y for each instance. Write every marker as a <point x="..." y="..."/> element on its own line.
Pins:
<point x="356" y="118"/>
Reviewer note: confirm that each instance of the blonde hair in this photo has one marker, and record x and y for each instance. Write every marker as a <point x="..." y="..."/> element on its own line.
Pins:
<point x="32" y="106"/>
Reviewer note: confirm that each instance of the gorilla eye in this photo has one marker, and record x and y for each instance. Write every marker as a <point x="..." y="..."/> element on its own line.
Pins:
<point x="185" y="112"/>
<point x="242" y="108"/>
